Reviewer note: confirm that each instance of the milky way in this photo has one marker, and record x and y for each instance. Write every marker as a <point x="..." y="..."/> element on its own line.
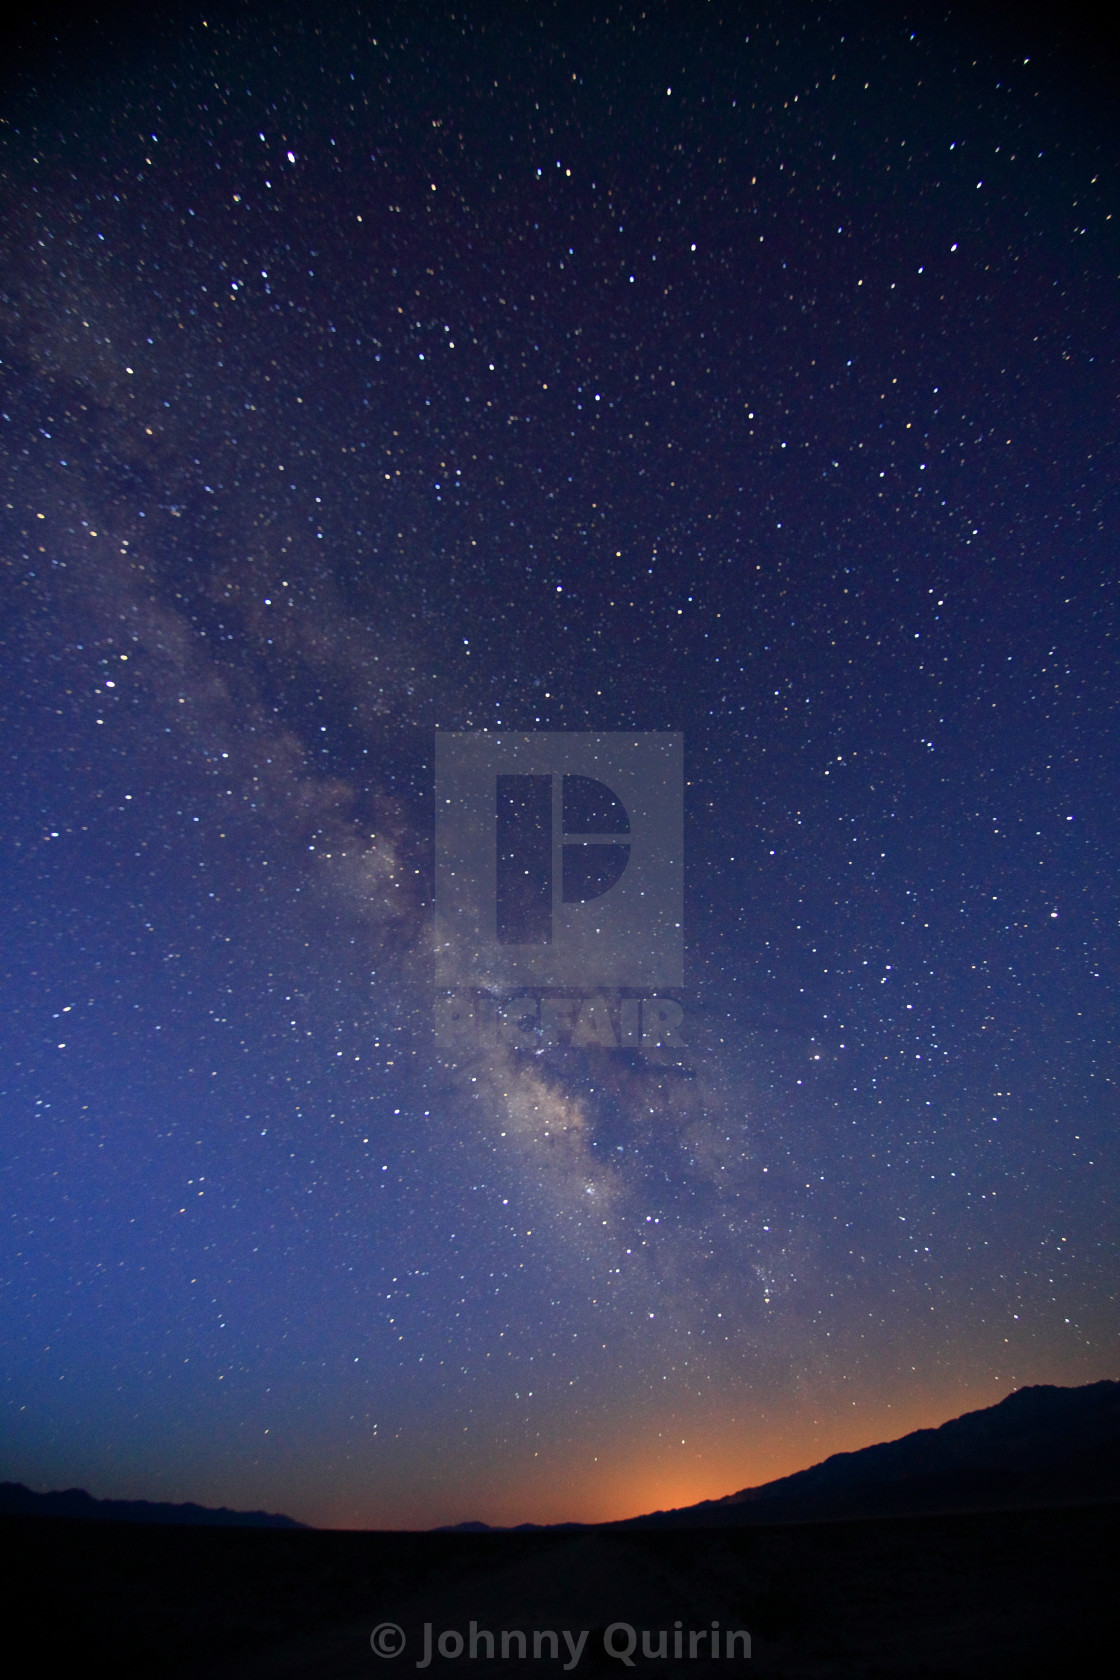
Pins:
<point x="747" y="374"/>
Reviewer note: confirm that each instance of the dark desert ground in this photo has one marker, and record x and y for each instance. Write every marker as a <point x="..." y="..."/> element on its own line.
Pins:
<point x="984" y="1595"/>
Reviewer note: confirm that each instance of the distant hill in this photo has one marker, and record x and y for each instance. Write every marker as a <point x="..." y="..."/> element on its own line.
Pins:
<point x="1039" y="1446"/>
<point x="17" y="1500"/>
<point x="520" y="1528"/>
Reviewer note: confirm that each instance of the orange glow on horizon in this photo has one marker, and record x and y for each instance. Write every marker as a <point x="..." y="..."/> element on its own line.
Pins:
<point x="634" y="1474"/>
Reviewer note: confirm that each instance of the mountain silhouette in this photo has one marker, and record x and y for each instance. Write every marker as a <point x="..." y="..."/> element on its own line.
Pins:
<point x="17" y="1500"/>
<point x="1038" y="1446"/>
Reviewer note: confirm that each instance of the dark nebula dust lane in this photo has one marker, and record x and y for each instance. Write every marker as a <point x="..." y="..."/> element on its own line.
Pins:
<point x="375" y="372"/>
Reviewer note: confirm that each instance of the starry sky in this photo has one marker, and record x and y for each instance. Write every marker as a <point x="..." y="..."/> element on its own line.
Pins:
<point x="747" y="372"/>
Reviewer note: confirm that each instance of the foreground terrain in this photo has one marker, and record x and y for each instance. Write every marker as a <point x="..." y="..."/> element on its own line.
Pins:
<point x="974" y="1596"/>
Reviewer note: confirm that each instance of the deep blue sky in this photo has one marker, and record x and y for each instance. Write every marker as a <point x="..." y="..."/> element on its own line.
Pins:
<point x="743" y="371"/>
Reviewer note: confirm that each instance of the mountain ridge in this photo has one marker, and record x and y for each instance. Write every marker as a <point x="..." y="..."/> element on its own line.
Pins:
<point x="1040" y="1445"/>
<point x="77" y="1504"/>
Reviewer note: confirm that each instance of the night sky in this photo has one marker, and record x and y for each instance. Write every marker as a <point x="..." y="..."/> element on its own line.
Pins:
<point x="747" y="372"/>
